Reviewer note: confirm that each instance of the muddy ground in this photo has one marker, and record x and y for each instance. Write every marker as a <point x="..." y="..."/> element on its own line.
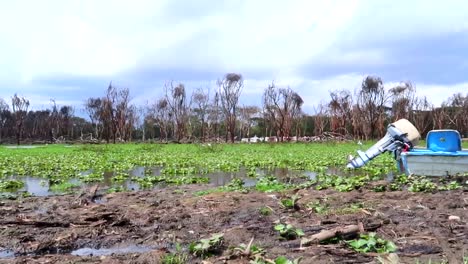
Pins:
<point x="143" y="226"/>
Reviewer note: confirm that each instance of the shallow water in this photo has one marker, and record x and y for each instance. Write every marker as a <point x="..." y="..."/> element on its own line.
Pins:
<point x="111" y="251"/>
<point x="41" y="187"/>
<point x="4" y="254"/>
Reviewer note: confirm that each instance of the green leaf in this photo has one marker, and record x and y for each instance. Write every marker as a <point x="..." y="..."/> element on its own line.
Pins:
<point x="282" y="260"/>
<point x="391" y="247"/>
<point x="299" y="232"/>
<point x="279" y="227"/>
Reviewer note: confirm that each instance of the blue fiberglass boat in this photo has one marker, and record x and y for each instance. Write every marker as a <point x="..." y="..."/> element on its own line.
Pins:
<point x="443" y="156"/>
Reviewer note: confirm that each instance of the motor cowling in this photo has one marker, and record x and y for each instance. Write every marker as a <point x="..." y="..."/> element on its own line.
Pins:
<point x="400" y="135"/>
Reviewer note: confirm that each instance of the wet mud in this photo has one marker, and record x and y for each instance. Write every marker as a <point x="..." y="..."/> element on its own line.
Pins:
<point x="144" y="226"/>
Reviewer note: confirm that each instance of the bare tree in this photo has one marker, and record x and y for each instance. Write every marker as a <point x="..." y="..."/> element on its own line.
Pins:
<point x="282" y="106"/>
<point x="423" y="115"/>
<point x="124" y="114"/>
<point x="403" y="96"/>
<point x="141" y="119"/>
<point x="4" y="114"/>
<point x="246" y="115"/>
<point x="179" y="107"/>
<point x="320" y="119"/>
<point x="230" y="88"/>
<point x="340" y="107"/>
<point x="20" y="107"/>
<point x="94" y="108"/>
<point x="201" y="99"/>
<point x="162" y="116"/>
<point x="371" y="105"/>
<point x="455" y="110"/>
<point x="117" y="113"/>
<point x="214" y="116"/>
<point x="66" y="113"/>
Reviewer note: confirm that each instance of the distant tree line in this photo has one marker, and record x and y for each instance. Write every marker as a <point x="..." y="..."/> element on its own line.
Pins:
<point x="218" y="115"/>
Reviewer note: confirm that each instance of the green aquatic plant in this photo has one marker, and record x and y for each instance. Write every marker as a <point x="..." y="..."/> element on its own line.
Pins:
<point x="288" y="231"/>
<point x="290" y="202"/>
<point x="11" y="185"/>
<point x="284" y="260"/>
<point x="235" y="185"/>
<point x="178" y="257"/>
<point x="453" y="185"/>
<point x="115" y="189"/>
<point x="269" y="184"/>
<point x="318" y="207"/>
<point x="372" y="243"/>
<point x="421" y="184"/>
<point x="188" y="163"/>
<point x="265" y="210"/>
<point x="207" y="246"/>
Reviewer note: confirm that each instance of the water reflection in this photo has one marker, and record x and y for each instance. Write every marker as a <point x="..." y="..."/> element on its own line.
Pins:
<point x="41" y="187"/>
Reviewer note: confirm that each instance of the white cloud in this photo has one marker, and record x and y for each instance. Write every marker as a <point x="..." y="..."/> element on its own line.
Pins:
<point x="109" y="38"/>
<point x="437" y="94"/>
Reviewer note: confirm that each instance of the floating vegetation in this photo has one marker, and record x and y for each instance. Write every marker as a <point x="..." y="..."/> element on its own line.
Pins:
<point x="262" y="167"/>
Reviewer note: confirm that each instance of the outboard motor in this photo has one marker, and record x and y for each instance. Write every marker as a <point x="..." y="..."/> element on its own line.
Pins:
<point x="401" y="135"/>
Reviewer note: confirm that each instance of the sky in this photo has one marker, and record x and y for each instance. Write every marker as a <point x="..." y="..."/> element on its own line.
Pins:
<point x="70" y="50"/>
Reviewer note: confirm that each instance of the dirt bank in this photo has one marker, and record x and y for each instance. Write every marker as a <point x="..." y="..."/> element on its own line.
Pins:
<point x="141" y="227"/>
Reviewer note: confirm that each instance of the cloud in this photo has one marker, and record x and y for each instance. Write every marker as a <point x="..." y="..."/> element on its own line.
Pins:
<point x="71" y="50"/>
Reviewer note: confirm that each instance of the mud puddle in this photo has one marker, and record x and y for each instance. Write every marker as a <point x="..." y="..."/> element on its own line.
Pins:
<point x="83" y="252"/>
<point x="6" y="254"/>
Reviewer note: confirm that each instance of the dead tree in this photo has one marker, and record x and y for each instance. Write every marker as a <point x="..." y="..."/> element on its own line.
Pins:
<point x="423" y="115"/>
<point x="116" y="113"/>
<point x="179" y="106"/>
<point x="20" y="107"/>
<point x="246" y="115"/>
<point x="201" y="99"/>
<point x="124" y="114"/>
<point x="455" y="110"/>
<point x="230" y="88"/>
<point x="320" y="119"/>
<point x="282" y="106"/>
<point x="371" y="104"/>
<point x="4" y="113"/>
<point x="403" y="97"/>
<point x="214" y="117"/>
<point x="162" y="116"/>
<point x="94" y="108"/>
<point x="340" y="107"/>
<point x="141" y="118"/>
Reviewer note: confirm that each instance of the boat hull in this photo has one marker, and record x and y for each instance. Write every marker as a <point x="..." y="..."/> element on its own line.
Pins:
<point x="434" y="163"/>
